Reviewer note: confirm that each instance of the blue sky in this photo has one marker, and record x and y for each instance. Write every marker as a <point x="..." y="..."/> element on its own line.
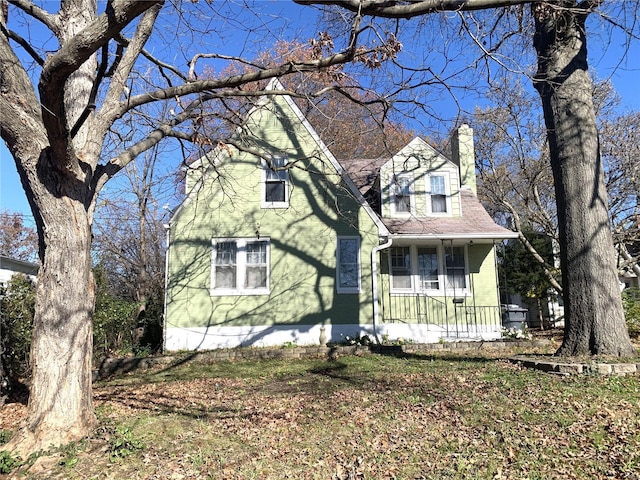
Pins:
<point x="296" y="21"/>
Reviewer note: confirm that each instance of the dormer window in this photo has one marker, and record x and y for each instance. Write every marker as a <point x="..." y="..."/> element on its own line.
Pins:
<point x="401" y="191"/>
<point x="275" y="191"/>
<point x="438" y="198"/>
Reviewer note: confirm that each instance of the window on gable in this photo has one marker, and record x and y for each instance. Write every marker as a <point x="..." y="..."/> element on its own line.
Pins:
<point x="240" y="267"/>
<point x="276" y="182"/>
<point x="401" y="190"/>
<point x="438" y="195"/>
<point x="348" y="265"/>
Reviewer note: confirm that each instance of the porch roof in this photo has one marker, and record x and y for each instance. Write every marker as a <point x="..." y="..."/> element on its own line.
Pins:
<point x="475" y="223"/>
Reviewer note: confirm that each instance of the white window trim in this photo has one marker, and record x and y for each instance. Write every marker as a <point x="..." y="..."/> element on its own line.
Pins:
<point x="339" y="288"/>
<point x="466" y="290"/>
<point x="447" y="192"/>
<point x="412" y="203"/>
<point x="443" y="291"/>
<point x="412" y="277"/>
<point x="241" y="262"/>
<point x="263" y="184"/>
<point x="418" y="283"/>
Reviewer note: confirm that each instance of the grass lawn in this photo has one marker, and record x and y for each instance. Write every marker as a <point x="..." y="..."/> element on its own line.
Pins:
<point x="368" y="417"/>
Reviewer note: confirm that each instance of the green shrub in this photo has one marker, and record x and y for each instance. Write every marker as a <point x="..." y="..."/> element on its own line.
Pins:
<point x="124" y="443"/>
<point x="8" y="462"/>
<point x="631" y="304"/>
<point x="5" y="436"/>
<point x="113" y="324"/>
<point x="17" y="306"/>
<point x="114" y="320"/>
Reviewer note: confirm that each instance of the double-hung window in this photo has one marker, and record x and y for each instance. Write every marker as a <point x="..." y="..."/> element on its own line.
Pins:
<point x="438" y="198"/>
<point x="401" y="190"/>
<point x="400" y="268"/>
<point x="240" y="267"/>
<point x="275" y="190"/>
<point x="428" y="271"/>
<point x="348" y="265"/>
<point x="455" y="268"/>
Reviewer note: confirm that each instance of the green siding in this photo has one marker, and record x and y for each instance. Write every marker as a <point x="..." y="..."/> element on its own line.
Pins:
<point x="418" y="159"/>
<point x="226" y="203"/>
<point x="303" y="237"/>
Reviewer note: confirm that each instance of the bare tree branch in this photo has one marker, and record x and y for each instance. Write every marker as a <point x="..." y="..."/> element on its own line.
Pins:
<point x="124" y="42"/>
<point x="24" y="44"/>
<point x="399" y="9"/>
<point x="31" y="9"/>
<point x="108" y="112"/>
<point x="71" y="55"/>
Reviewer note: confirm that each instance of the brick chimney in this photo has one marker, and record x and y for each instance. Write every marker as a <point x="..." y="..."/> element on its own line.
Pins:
<point x="462" y="154"/>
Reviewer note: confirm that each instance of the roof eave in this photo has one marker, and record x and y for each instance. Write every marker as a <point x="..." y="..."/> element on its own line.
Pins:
<point x="481" y="237"/>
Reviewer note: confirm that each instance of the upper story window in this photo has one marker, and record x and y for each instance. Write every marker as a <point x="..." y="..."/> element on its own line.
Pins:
<point x="240" y="267"/>
<point x="275" y="191"/>
<point x="348" y="265"/>
<point x="402" y="194"/>
<point x="438" y="198"/>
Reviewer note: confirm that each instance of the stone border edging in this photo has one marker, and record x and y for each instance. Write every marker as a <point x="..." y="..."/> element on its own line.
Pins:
<point x="117" y="366"/>
<point x="556" y="365"/>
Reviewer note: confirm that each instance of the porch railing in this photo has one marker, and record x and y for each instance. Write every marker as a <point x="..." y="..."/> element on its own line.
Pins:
<point x="455" y="317"/>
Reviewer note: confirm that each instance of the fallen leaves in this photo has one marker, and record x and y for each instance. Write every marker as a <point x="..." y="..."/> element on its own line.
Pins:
<point x="369" y="418"/>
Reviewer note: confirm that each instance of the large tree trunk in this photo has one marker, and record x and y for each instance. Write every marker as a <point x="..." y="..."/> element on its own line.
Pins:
<point x="593" y="308"/>
<point x="60" y="406"/>
<point x="55" y="169"/>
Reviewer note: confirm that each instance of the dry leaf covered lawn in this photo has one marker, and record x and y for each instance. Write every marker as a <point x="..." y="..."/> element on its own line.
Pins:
<point x="369" y="417"/>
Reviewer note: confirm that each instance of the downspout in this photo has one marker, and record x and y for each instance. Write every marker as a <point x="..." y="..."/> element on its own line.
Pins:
<point x="167" y="228"/>
<point x="374" y="284"/>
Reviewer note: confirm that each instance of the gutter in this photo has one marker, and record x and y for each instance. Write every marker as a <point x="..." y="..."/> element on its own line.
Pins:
<point x="490" y="237"/>
<point x="374" y="284"/>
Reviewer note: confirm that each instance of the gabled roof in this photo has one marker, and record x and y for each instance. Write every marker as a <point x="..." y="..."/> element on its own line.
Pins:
<point x="475" y="222"/>
<point x="275" y="85"/>
<point x="364" y="171"/>
<point x="418" y="146"/>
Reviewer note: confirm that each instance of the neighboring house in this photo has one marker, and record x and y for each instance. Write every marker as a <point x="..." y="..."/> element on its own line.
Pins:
<point x="276" y="242"/>
<point x="10" y="266"/>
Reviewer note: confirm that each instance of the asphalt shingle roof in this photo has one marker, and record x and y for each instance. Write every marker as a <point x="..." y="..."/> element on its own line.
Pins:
<point x="475" y="222"/>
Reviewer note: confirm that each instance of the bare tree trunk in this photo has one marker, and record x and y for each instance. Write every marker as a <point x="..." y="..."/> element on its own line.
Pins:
<point x="594" y="318"/>
<point x="60" y="406"/>
<point x="540" y="313"/>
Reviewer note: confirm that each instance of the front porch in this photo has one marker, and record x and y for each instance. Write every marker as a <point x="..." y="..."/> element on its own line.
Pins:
<point x="449" y="318"/>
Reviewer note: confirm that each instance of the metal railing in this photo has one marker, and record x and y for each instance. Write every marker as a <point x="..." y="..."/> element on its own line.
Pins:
<point x="457" y="317"/>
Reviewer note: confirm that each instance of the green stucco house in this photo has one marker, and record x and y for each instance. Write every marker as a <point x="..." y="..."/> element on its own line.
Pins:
<point x="277" y="241"/>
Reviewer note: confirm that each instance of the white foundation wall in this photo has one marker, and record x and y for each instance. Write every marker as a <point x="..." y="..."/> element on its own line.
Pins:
<point x="212" y="338"/>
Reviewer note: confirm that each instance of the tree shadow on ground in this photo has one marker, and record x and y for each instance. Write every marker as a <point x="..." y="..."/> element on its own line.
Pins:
<point x="399" y="352"/>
